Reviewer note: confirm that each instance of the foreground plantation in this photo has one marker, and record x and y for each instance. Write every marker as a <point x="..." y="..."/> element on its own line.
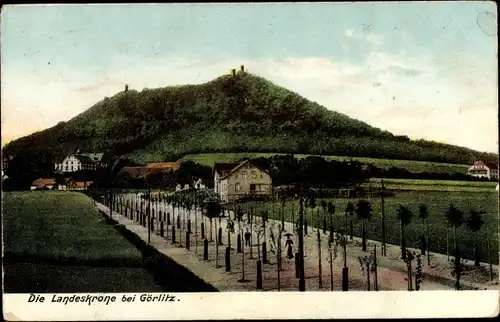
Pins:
<point x="414" y="166"/>
<point x="437" y="203"/>
<point x="58" y="242"/>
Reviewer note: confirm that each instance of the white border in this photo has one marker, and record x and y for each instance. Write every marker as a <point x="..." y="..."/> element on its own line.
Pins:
<point x="257" y="305"/>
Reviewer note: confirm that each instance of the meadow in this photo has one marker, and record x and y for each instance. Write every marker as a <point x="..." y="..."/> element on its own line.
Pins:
<point x="432" y="185"/>
<point x="414" y="166"/>
<point x="437" y="203"/>
<point x="58" y="242"/>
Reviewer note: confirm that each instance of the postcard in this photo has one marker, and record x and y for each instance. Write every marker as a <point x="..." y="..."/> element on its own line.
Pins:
<point x="250" y="161"/>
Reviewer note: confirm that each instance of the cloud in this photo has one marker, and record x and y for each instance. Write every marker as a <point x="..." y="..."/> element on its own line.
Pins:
<point x="364" y="35"/>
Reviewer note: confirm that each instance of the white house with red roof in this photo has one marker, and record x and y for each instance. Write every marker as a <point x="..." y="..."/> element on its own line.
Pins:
<point x="484" y="169"/>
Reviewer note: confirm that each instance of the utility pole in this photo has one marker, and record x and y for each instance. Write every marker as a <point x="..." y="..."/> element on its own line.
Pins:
<point x="302" y="281"/>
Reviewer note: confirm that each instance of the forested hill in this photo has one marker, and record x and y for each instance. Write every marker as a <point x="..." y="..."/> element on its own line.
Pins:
<point x="241" y="113"/>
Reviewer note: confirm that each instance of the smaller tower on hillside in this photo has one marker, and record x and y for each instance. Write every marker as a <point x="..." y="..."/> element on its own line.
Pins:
<point x="242" y="68"/>
<point x="126" y="87"/>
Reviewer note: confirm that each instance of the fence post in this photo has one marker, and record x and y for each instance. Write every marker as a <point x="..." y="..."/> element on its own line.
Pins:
<point x="238" y="244"/>
<point x="264" y="253"/>
<point x="297" y="263"/>
<point x="202" y="230"/>
<point x="259" y="275"/>
<point x="161" y="229"/>
<point x="173" y="234"/>
<point x="205" y="249"/>
<point x="187" y="240"/>
<point x="228" y="260"/>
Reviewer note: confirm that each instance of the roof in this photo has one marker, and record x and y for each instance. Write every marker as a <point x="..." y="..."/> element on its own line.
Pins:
<point x="225" y="174"/>
<point x="489" y="164"/>
<point x="224" y="168"/>
<point x="42" y="182"/>
<point x="84" y="159"/>
<point x="142" y="171"/>
<point x="83" y="184"/>
<point x="164" y="165"/>
<point x="96" y="157"/>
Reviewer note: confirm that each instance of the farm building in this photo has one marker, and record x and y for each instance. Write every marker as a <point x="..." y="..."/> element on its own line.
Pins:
<point x="484" y="169"/>
<point x="43" y="183"/>
<point x="235" y="180"/>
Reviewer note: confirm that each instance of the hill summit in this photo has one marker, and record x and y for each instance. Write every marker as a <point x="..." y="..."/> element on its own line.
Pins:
<point x="238" y="112"/>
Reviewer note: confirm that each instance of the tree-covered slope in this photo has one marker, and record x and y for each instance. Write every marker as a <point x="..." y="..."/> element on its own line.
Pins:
<point x="229" y="114"/>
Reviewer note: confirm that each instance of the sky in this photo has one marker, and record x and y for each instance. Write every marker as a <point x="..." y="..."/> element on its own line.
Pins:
<point x="422" y="69"/>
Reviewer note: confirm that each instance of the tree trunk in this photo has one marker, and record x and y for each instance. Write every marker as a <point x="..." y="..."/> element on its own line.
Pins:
<point x="447" y="245"/>
<point x="302" y="283"/>
<point x="331" y="269"/>
<point x="368" y="276"/>
<point x="278" y="262"/>
<point x="319" y="261"/>
<point x="454" y="238"/>
<point x="489" y="258"/>
<point x="458" y="269"/>
<point x="375" y="266"/>
<point x="364" y="235"/>
<point x="476" y="250"/>
<point x="403" y="244"/>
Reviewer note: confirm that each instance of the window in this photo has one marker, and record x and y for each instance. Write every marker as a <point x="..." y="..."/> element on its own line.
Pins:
<point x="237" y="187"/>
<point x="254" y="174"/>
<point x="244" y="174"/>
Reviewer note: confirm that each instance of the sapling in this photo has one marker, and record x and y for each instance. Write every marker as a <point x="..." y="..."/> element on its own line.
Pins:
<point x="320" y="277"/>
<point x="374" y="266"/>
<point x="333" y="252"/>
<point x="408" y="259"/>
<point x="457" y="269"/>
<point x="365" y="262"/>
<point x="419" y="274"/>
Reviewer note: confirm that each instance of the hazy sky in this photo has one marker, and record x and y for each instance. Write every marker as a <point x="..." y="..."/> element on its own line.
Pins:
<point x="426" y="70"/>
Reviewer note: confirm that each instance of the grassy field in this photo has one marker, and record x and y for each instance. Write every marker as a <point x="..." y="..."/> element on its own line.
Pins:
<point x="413" y="166"/>
<point x="433" y="185"/>
<point x="58" y="242"/>
<point x="437" y="203"/>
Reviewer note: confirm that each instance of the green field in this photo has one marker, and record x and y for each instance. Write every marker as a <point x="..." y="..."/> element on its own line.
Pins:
<point x="414" y="166"/>
<point x="432" y="185"/>
<point x="437" y="202"/>
<point x="58" y="241"/>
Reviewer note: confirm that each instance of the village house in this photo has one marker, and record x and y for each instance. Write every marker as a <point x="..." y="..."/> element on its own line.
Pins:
<point x="235" y="180"/>
<point x="43" y="183"/>
<point x="484" y="169"/>
<point x="80" y="161"/>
